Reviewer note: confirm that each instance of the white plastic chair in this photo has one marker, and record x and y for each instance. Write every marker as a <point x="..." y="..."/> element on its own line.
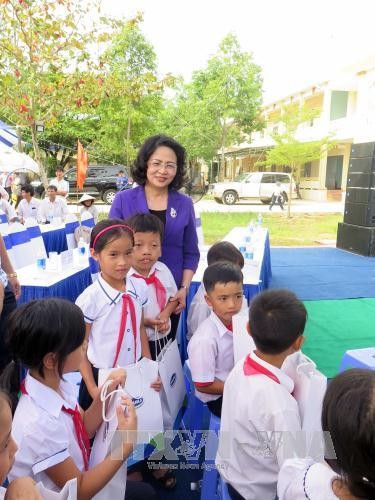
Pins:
<point x="36" y="238"/>
<point x="8" y="246"/>
<point x="71" y="224"/>
<point x="4" y="226"/>
<point x="23" y="251"/>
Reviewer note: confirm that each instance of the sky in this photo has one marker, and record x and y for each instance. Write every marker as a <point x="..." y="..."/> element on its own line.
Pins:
<point x="296" y="42"/>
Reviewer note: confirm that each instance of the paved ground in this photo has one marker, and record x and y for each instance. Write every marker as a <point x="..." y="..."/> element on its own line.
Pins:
<point x="298" y="206"/>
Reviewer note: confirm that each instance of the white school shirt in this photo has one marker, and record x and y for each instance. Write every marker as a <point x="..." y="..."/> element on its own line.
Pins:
<point x="62" y="185"/>
<point x="151" y="309"/>
<point x="7" y="208"/>
<point x="26" y="209"/>
<point x="102" y="305"/>
<point x="252" y="405"/>
<point x="301" y="478"/>
<point x="48" y="209"/>
<point x="210" y="354"/>
<point x="44" y="434"/>
<point x="199" y="310"/>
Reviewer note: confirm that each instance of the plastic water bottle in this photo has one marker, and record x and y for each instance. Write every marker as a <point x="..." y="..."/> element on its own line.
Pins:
<point x="249" y="254"/>
<point x="41" y="262"/>
<point x="81" y="247"/>
<point x="260" y="220"/>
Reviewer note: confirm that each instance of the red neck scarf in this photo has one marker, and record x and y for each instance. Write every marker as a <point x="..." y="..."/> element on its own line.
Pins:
<point x="79" y="429"/>
<point x="251" y="367"/>
<point x="126" y="303"/>
<point x="161" y="294"/>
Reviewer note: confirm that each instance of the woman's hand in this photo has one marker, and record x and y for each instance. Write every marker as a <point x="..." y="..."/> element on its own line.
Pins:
<point x="16" y="287"/>
<point x="118" y="377"/>
<point x="181" y="298"/>
<point x="22" y="488"/>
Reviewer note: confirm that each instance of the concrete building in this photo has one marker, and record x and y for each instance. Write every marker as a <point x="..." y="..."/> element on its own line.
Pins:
<point x="347" y="104"/>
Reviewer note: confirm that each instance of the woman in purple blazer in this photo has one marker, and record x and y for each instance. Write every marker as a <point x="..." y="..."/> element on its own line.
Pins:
<point x="159" y="171"/>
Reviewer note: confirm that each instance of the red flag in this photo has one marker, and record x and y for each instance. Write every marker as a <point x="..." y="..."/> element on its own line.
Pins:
<point x="82" y="163"/>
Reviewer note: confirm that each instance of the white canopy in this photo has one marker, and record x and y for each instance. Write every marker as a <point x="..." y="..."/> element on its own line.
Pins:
<point x="11" y="160"/>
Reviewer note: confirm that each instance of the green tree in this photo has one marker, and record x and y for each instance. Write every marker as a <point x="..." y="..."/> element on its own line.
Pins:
<point x="46" y="62"/>
<point x="289" y="150"/>
<point x="220" y="105"/>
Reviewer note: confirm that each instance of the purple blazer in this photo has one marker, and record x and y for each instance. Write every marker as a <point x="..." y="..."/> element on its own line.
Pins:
<point x="180" y="243"/>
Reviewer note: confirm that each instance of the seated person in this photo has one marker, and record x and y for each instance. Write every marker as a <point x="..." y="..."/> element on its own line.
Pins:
<point x="28" y="206"/>
<point x="258" y="404"/>
<point x="7" y="208"/>
<point x="87" y="203"/>
<point x="210" y="349"/>
<point x="199" y="310"/>
<point x="51" y="207"/>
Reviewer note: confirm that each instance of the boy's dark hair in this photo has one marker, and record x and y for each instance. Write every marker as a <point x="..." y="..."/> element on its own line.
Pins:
<point x="225" y="251"/>
<point x="276" y="318"/>
<point x="120" y="172"/>
<point x="37" y="328"/>
<point x="51" y="186"/>
<point x="146" y="223"/>
<point x="28" y="188"/>
<point x="221" y="272"/>
<point x="59" y="169"/>
<point x="139" y="168"/>
<point x="349" y="415"/>
<point x="109" y="235"/>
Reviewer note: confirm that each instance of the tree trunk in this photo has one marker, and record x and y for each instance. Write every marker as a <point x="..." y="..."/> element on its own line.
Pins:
<point x="222" y="170"/>
<point x="127" y="141"/>
<point x="292" y="169"/>
<point x="38" y="158"/>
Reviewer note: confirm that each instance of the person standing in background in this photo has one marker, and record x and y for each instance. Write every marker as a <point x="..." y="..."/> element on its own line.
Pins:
<point x="159" y="171"/>
<point x="61" y="184"/>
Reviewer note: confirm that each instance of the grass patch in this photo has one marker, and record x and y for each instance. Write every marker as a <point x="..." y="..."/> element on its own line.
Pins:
<point x="299" y="230"/>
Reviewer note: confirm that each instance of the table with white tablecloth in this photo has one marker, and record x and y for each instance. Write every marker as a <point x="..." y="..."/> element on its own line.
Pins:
<point x="257" y="274"/>
<point x="67" y="284"/>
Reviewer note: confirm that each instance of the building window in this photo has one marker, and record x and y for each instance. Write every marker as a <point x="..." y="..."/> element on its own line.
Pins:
<point x="339" y="104"/>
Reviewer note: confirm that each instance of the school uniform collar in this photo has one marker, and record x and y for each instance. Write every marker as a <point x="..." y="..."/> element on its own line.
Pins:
<point x="48" y="399"/>
<point x="113" y="296"/>
<point x="283" y="378"/>
<point x="221" y="328"/>
<point x="158" y="266"/>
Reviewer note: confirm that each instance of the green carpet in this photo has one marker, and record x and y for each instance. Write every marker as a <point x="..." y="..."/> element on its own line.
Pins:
<point x="334" y="326"/>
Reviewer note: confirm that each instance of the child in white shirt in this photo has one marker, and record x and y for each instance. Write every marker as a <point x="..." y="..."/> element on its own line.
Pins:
<point x="112" y="307"/>
<point x="199" y="310"/>
<point x="52" y="433"/>
<point x="210" y="350"/>
<point x="348" y="472"/>
<point x="259" y="411"/>
<point x="146" y="268"/>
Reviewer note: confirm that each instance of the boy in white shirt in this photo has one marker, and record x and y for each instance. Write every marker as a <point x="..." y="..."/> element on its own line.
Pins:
<point x="210" y="350"/>
<point x="51" y="207"/>
<point x="148" y="235"/>
<point x="61" y="184"/>
<point x="259" y="412"/>
<point x="199" y="310"/>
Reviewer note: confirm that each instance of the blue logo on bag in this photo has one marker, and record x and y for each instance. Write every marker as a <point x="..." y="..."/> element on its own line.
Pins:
<point x="173" y="380"/>
<point x="137" y="402"/>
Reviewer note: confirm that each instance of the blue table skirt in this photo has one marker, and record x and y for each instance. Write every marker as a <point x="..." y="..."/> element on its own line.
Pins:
<point x="68" y="288"/>
<point x="265" y="276"/>
<point x="55" y="241"/>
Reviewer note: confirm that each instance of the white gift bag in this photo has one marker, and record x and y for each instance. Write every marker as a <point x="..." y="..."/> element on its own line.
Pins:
<point x="172" y="376"/>
<point x="103" y="445"/>
<point x="309" y="389"/>
<point x="69" y="492"/>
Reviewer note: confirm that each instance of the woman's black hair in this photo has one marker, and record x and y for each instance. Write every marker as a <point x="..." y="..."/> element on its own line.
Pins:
<point x="349" y="417"/>
<point x="146" y="223"/>
<point x="139" y="168"/>
<point x="98" y="242"/>
<point x="37" y="328"/>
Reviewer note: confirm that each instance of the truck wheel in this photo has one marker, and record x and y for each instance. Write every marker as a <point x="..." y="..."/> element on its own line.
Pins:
<point x="109" y="195"/>
<point x="229" y="197"/>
